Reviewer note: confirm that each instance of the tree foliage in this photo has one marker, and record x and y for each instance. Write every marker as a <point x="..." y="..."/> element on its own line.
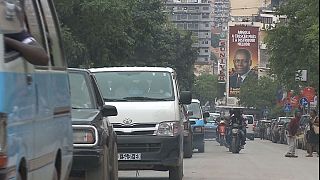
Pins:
<point x="206" y="87"/>
<point x="259" y="94"/>
<point x="101" y="33"/>
<point x="294" y="45"/>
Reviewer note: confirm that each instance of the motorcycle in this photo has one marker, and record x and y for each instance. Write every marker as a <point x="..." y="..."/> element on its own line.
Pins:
<point x="235" y="143"/>
<point x="221" y="136"/>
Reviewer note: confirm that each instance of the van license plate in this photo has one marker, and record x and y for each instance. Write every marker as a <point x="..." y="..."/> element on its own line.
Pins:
<point x="129" y="156"/>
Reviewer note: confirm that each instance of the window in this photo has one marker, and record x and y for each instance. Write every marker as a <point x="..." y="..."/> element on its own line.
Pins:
<point x="207" y="25"/>
<point x="206" y="50"/>
<point x="80" y="94"/>
<point x="205" y="8"/>
<point x="136" y="85"/>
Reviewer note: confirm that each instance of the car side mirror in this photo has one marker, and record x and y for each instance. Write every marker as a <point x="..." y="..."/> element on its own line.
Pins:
<point x="206" y="114"/>
<point x="189" y="113"/>
<point x="185" y="97"/>
<point x="109" y="110"/>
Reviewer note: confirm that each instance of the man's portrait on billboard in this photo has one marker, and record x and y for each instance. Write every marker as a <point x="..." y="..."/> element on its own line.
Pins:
<point x="242" y="62"/>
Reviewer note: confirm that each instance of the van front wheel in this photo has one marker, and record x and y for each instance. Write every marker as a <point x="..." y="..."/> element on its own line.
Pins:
<point x="176" y="173"/>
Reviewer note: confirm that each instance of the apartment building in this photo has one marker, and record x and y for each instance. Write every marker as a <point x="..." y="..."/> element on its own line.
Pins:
<point x="194" y="16"/>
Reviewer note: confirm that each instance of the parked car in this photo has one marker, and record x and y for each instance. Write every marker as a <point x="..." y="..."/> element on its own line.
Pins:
<point x="250" y="126"/>
<point x="278" y="131"/>
<point x="95" y="154"/>
<point x="149" y="125"/>
<point x="301" y="140"/>
<point x="210" y="128"/>
<point x="197" y="121"/>
<point x="262" y="122"/>
<point x="35" y="110"/>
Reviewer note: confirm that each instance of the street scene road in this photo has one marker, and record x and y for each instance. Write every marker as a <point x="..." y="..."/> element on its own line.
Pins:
<point x="261" y="159"/>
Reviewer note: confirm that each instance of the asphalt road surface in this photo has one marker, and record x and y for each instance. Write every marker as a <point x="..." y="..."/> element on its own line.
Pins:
<point x="260" y="160"/>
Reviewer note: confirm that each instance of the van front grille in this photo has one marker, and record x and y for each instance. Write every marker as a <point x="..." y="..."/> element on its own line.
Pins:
<point x="150" y="132"/>
<point x="139" y="147"/>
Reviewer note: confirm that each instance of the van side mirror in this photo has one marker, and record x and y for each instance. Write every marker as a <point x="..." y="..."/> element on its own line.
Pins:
<point x="109" y="110"/>
<point x="189" y="113"/>
<point x="206" y="114"/>
<point x="185" y="97"/>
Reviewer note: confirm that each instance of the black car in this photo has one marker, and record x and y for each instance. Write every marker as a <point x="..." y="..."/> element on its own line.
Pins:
<point x="187" y="134"/>
<point x="95" y="155"/>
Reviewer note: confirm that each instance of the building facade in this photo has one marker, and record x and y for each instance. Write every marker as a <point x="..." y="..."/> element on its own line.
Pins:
<point x="194" y="16"/>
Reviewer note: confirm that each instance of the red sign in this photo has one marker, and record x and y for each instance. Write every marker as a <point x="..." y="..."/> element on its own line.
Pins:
<point x="309" y="93"/>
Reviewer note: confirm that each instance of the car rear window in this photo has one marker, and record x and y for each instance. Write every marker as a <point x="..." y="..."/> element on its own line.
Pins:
<point x="249" y="119"/>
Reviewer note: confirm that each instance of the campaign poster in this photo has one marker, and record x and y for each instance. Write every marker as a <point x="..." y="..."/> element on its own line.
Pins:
<point x="243" y="57"/>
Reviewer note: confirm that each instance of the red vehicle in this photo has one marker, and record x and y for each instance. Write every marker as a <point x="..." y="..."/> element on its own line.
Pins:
<point x="221" y="133"/>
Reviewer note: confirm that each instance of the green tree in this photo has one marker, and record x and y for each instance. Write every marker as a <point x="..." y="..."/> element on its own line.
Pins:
<point x="259" y="94"/>
<point x="102" y="33"/>
<point x="206" y="87"/>
<point x="294" y="44"/>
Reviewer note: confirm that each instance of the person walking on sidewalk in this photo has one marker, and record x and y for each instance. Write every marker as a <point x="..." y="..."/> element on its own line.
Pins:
<point x="313" y="133"/>
<point x="293" y="130"/>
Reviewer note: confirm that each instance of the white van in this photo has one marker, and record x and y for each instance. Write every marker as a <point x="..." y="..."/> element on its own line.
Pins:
<point x="250" y="126"/>
<point x="149" y="124"/>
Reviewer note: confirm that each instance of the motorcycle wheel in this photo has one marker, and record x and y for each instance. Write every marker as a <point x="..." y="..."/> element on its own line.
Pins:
<point x="235" y="145"/>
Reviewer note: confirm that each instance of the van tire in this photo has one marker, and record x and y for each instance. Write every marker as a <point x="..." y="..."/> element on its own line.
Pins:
<point x="188" y="149"/>
<point x="201" y="148"/>
<point x="114" y="173"/>
<point x="101" y="172"/>
<point x="55" y="175"/>
<point x="176" y="173"/>
<point x="18" y="177"/>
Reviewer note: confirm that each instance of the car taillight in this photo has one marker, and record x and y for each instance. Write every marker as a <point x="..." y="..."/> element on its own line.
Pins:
<point x="84" y="135"/>
<point x="3" y="140"/>
<point x="198" y="129"/>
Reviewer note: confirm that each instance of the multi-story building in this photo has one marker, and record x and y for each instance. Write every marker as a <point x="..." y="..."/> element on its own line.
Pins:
<point x="193" y="15"/>
<point x="221" y="14"/>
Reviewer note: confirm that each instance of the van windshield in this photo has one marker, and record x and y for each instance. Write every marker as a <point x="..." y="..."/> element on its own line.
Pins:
<point x="195" y="108"/>
<point x="135" y="86"/>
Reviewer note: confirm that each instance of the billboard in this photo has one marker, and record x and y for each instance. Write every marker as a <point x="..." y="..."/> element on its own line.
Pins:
<point x="243" y="56"/>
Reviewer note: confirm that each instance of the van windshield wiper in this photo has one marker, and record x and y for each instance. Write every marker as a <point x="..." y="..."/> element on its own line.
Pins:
<point x="146" y="98"/>
<point x="113" y="100"/>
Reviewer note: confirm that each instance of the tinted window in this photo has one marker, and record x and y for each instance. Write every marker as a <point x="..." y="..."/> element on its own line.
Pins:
<point x="80" y="93"/>
<point x="135" y="86"/>
<point x="249" y="119"/>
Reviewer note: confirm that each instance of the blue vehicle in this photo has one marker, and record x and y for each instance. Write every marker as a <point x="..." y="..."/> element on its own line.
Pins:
<point x="36" y="141"/>
<point x="210" y="128"/>
<point x="197" y="121"/>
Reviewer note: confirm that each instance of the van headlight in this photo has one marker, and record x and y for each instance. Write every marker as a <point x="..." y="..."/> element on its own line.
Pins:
<point x="168" y="129"/>
<point x="84" y="135"/>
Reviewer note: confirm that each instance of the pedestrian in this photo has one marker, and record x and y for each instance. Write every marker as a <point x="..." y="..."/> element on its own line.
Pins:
<point x="293" y="131"/>
<point x="313" y="133"/>
<point x="262" y="129"/>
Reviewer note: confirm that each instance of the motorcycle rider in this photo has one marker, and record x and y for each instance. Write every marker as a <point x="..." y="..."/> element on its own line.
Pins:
<point x="237" y="117"/>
